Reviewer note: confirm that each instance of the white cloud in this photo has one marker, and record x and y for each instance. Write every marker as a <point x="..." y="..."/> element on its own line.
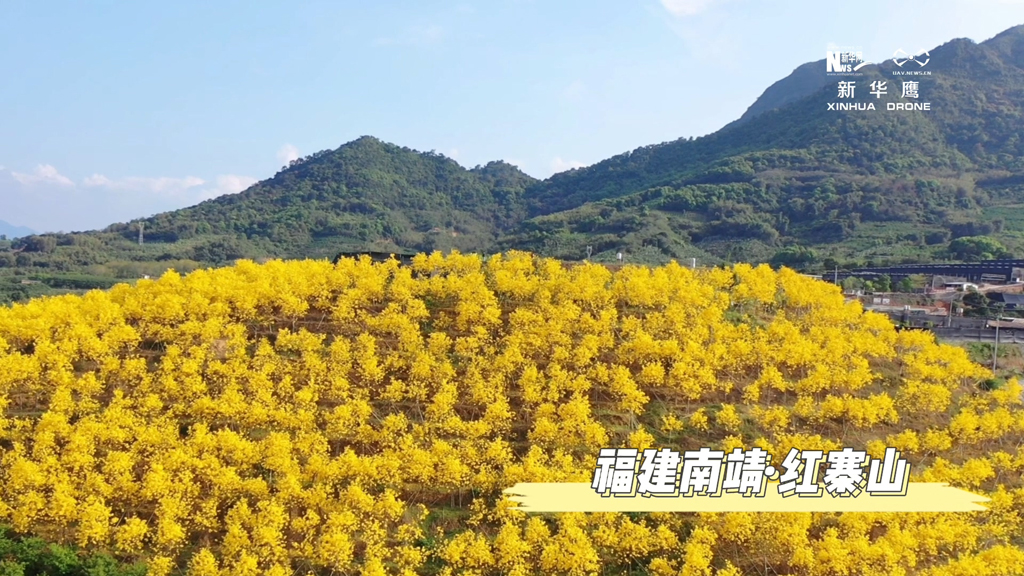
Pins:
<point x="190" y="188"/>
<point x="162" y="185"/>
<point x="43" y="174"/>
<point x="96" y="180"/>
<point x="232" y="184"/>
<point x="559" y="165"/>
<point x="287" y="153"/>
<point x="683" y="8"/>
<point x="227" y="184"/>
<point x="45" y="200"/>
<point x="453" y="153"/>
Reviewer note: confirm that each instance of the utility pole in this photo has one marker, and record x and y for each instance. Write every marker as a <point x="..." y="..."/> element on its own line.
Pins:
<point x="141" y="224"/>
<point x="693" y="263"/>
<point x="590" y="249"/>
<point x="835" y="279"/>
<point x="995" y="349"/>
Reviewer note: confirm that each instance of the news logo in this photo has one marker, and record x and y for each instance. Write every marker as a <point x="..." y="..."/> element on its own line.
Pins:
<point x="900" y="57"/>
<point x="844" y="61"/>
<point x="911" y="64"/>
<point x="909" y="90"/>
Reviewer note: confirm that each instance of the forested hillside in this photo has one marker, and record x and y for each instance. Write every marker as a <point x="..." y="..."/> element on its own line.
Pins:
<point x="794" y="172"/>
<point x="366" y="192"/>
<point x="790" y="182"/>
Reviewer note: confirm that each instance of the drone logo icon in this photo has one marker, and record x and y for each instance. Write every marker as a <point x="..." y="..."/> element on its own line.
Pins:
<point x="900" y="57"/>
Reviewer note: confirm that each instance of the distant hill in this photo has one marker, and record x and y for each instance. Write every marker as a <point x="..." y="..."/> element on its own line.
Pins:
<point x="789" y="182"/>
<point x="792" y="172"/>
<point x="366" y="193"/>
<point x="12" y="231"/>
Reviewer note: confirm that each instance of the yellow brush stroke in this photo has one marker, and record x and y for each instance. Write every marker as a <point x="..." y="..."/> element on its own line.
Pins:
<point x="580" y="497"/>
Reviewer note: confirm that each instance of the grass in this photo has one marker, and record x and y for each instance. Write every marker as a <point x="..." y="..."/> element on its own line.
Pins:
<point x="1012" y="216"/>
<point x="1009" y="360"/>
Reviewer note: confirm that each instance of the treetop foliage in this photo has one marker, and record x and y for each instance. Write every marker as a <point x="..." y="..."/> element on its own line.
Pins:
<point x="364" y="418"/>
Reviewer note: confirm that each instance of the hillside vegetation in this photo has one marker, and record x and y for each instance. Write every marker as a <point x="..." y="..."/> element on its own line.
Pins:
<point x="790" y="182"/>
<point x="362" y="418"/>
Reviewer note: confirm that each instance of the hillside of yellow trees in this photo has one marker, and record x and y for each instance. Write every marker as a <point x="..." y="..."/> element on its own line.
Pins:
<point x="363" y="418"/>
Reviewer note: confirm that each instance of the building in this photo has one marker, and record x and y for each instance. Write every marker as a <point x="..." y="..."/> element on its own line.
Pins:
<point x="1006" y="324"/>
<point x="959" y="285"/>
<point x="1011" y="301"/>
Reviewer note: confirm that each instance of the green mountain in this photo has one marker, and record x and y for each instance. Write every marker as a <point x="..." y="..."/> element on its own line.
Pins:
<point x="791" y="181"/>
<point x="365" y="193"/>
<point x="791" y="172"/>
<point x="805" y="80"/>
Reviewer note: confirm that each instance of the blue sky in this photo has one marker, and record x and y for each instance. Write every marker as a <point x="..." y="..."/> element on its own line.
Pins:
<point x="115" y="110"/>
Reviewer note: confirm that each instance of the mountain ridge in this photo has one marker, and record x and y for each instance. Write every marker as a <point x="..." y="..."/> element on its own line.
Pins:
<point x="13" y="231"/>
<point x="788" y="179"/>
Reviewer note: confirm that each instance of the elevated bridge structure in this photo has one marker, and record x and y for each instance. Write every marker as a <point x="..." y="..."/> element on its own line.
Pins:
<point x="987" y="271"/>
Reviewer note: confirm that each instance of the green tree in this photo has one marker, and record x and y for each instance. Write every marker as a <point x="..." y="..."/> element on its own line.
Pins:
<point x="45" y="244"/>
<point x="852" y="284"/>
<point x="976" y="304"/>
<point x="883" y="283"/>
<point x="793" y="256"/>
<point x="938" y="237"/>
<point x="977" y="247"/>
<point x="23" y="555"/>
